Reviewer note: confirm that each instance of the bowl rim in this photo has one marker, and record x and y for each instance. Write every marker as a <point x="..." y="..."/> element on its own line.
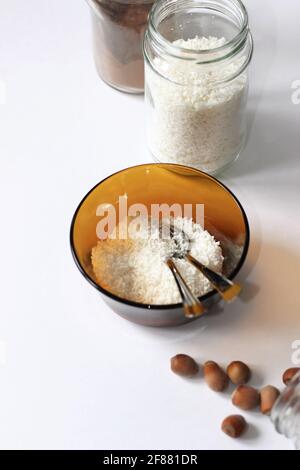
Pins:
<point x="157" y="306"/>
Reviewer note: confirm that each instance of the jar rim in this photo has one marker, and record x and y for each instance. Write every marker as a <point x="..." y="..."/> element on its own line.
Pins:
<point x="182" y="52"/>
<point x="95" y="4"/>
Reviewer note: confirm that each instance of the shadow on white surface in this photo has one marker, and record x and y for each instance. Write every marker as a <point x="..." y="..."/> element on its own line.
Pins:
<point x="271" y="309"/>
<point x="273" y="141"/>
<point x="252" y="433"/>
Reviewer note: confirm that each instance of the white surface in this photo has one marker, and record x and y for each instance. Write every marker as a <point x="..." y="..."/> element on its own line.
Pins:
<point x="72" y="373"/>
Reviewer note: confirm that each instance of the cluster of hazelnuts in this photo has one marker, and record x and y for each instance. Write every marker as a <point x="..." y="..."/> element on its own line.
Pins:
<point x="244" y="397"/>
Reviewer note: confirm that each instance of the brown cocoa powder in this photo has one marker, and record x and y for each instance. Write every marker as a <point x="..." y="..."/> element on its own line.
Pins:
<point x="119" y="28"/>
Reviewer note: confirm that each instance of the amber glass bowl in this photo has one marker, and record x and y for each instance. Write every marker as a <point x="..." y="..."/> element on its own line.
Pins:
<point x="154" y="183"/>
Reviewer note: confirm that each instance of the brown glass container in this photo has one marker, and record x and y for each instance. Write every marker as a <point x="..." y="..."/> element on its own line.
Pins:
<point x="118" y="32"/>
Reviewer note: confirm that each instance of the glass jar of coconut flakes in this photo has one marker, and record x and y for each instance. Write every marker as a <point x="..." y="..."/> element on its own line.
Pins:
<point x="286" y="412"/>
<point x="197" y="54"/>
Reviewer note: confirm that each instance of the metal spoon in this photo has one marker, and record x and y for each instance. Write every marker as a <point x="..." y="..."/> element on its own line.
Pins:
<point x="191" y="305"/>
<point x="226" y="288"/>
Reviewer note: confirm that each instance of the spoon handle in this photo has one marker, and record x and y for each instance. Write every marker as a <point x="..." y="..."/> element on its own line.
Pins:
<point x="226" y="288"/>
<point x="191" y="305"/>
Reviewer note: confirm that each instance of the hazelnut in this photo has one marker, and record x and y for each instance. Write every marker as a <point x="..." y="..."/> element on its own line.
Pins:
<point x="245" y="397"/>
<point x="234" y="425"/>
<point x="268" y="396"/>
<point x="289" y="374"/>
<point x="238" y="372"/>
<point x="215" y="377"/>
<point x="184" y="365"/>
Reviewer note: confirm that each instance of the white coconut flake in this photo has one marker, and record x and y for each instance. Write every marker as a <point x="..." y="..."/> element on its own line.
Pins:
<point x="194" y="121"/>
<point x="135" y="269"/>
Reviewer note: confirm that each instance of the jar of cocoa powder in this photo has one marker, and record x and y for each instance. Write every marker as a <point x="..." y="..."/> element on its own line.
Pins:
<point x="118" y="32"/>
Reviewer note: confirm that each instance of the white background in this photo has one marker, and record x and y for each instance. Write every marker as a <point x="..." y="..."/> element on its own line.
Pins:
<point x="72" y="373"/>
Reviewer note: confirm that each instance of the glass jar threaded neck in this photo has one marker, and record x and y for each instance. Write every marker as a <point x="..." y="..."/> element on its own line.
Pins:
<point x="286" y="412"/>
<point x="228" y="18"/>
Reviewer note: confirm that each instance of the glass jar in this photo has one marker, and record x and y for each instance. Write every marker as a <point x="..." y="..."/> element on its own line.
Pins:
<point x="118" y="31"/>
<point x="286" y="412"/>
<point x="197" y="54"/>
